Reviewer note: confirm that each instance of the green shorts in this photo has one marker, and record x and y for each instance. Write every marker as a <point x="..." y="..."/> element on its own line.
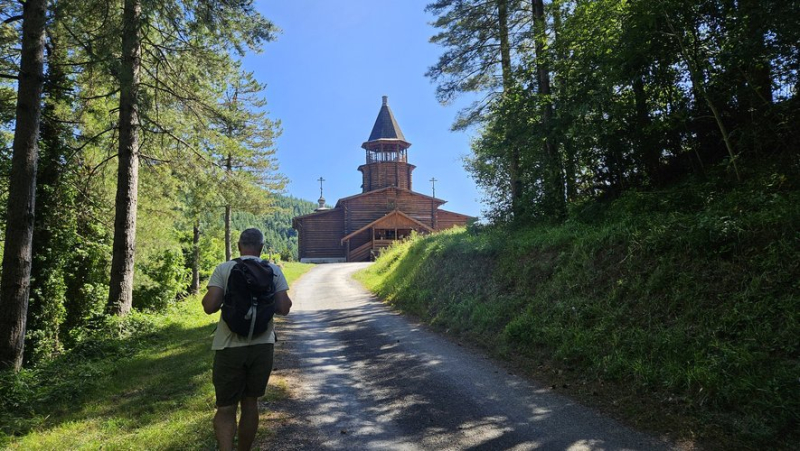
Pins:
<point x="242" y="372"/>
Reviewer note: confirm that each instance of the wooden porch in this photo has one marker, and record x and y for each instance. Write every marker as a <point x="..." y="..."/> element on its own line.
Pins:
<point x="366" y="243"/>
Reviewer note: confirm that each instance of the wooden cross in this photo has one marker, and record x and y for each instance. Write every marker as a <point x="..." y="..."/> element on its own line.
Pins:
<point x="320" y="180"/>
<point x="433" y="185"/>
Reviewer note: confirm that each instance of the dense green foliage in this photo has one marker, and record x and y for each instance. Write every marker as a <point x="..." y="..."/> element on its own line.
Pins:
<point x="688" y="298"/>
<point x="599" y="97"/>
<point x="280" y="237"/>
<point x="164" y="401"/>
<point x="591" y="128"/>
<point x="68" y="300"/>
<point x="205" y="142"/>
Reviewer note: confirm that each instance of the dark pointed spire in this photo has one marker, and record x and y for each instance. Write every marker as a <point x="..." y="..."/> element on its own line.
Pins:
<point x="385" y="125"/>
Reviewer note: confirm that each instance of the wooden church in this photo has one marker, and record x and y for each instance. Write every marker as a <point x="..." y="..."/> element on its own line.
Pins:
<point x="387" y="209"/>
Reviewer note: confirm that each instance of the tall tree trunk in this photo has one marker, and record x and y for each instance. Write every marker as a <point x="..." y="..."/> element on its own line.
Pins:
<point x="505" y="45"/>
<point x="570" y="169"/>
<point x="698" y="85"/>
<point x="120" y="296"/>
<point x="570" y="157"/>
<point x="228" y="247"/>
<point x="759" y="67"/>
<point x="508" y="81"/>
<point x="15" y="285"/>
<point x="756" y="89"/>
<point x="194" y="288"/>
<point x="554" y="168"/>
<point x="649" y="152"/>
<point x="53" y="228"/>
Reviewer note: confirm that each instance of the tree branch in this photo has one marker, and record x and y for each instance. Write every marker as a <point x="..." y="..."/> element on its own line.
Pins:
<point x="105" y="160"/>
<point x="162" y="129"/>
<point x="90" y="140"/>
<point x="100" y="96"/>
<point x="154" y="159"/>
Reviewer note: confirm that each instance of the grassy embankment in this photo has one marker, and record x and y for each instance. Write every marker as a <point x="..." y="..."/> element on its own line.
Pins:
<point x="678" y="311"/>
<point x="139" y="383"/>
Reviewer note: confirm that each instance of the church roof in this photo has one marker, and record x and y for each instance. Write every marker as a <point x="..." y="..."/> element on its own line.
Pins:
<point x="385" y="125"/>
<point x="316" y="212"/>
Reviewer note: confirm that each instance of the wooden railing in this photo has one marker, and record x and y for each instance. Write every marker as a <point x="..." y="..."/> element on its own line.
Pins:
<point x="382" y="244"/>
<point x="361" y="253"/>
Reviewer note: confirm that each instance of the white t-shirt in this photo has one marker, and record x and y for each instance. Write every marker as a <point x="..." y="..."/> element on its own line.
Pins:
<point x="224" y="337"/>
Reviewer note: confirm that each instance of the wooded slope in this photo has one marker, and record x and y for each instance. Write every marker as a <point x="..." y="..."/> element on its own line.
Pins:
<point x="679" y="309"/>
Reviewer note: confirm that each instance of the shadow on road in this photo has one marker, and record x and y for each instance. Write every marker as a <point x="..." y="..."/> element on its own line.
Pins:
<point x="369" y="379"/>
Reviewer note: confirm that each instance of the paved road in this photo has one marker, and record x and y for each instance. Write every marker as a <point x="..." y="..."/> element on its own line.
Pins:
<point x="366" y="378"/>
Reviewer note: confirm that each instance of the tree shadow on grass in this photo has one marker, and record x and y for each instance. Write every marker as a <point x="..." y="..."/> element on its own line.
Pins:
<point x="157" y="388"/>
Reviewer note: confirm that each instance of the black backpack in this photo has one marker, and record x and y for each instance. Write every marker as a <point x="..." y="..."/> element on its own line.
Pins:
<point x="250" y="297"/>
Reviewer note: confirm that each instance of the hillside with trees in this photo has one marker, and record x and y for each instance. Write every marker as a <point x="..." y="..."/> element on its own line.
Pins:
<point x="640" y="165"/>
<point x="586" y="100"/>
<point x="279" y="236"/>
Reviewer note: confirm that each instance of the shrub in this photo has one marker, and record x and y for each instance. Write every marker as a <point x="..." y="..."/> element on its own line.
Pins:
<point x="169" y="278"/>
<point x="286" y="255"/>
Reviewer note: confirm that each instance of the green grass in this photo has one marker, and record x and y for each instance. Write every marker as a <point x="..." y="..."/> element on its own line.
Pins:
<point x="682" y="303"/>
<point x="293" y="270"/>
<point x="143" y="382"/>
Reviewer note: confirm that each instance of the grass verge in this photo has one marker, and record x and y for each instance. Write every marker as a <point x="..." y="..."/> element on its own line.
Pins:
<point x="678" y="311"/>
<point x="142" y="382"/>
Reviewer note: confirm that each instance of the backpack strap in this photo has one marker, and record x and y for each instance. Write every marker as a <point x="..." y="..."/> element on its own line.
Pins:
<point x="252" y="314"/>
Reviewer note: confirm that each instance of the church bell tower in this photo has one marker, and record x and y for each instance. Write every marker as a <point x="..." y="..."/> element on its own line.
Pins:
<point x="386" y="154"/>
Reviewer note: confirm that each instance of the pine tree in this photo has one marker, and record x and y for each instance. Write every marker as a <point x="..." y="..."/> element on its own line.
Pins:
<point x="15" y="285"/>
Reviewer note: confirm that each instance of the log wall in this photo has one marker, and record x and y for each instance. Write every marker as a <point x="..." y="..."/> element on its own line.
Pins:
<point x="319" y="235"/>
<point x="447" y="219"/>
<point x="383" y="174"/>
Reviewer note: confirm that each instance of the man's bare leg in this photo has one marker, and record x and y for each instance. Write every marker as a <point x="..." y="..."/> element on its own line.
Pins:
<point x="248" y="423"/>
<point x="225" y="426"/>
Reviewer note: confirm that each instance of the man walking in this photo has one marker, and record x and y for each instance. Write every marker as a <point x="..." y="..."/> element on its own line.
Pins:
<point x="242" y="365"/>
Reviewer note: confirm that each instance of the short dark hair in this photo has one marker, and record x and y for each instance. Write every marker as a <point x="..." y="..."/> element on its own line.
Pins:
<point x="251" y="239"/>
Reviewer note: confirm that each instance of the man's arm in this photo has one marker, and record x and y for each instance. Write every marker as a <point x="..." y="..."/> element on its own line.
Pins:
<point x="212" y="301"/>
<point x="282" y="303"/>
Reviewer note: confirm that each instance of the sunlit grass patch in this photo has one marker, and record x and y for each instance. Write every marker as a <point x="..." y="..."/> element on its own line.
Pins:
<point x="147" y="388"/>
<point x="293" y="270"/>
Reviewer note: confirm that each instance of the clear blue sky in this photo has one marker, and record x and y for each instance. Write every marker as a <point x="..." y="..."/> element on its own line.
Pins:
<point x="325" y="76"/>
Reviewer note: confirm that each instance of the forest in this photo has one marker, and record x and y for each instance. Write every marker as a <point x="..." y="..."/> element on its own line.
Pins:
<point x="134" y="147"/>
<point x="146" y="145"/>
<point x="584" y="100"/>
